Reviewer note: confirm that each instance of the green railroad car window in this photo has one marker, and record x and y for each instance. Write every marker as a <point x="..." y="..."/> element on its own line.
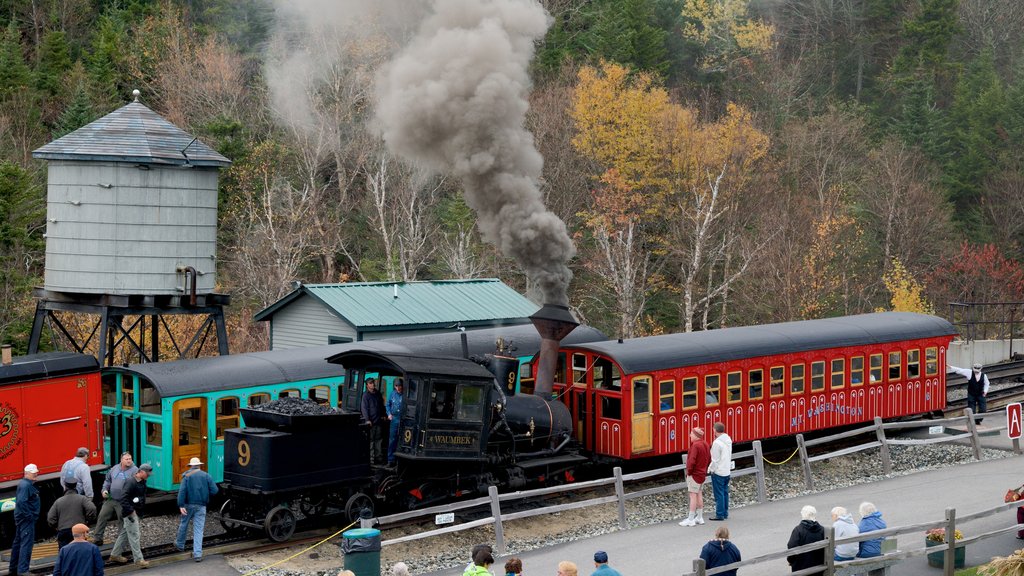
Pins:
<point x="150" y="402"/>
<point x="321" y="394"/>
<point x="259" y="398"/>
<point x="227" y="415"/>
<point x="109" y="390"/>
<point x="154" y="434"/>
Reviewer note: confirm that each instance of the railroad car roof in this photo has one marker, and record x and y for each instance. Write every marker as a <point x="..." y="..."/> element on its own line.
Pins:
<point x="413" y="364"/>
<point x="46" y="365"/>
<point x="693" y="348"/>
<point x="200" y="375"/>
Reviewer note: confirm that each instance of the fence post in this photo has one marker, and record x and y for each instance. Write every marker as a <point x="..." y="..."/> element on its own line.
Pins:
<point x="1016" y="446"/>
<point x="762" y="490"/>
<point x="830" y="551"/>
<point x="620" y="497"/>
<point x="949" y="566"/>
<point x="499" y="530"/>
<point x="808" y="480"/>
<point x="698" y="567"/>
<point x="972" y="427"/>
<point x="886" y="456"/>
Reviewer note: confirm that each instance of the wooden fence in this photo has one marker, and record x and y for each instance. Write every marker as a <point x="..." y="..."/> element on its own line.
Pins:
<point x="619" y="480"/>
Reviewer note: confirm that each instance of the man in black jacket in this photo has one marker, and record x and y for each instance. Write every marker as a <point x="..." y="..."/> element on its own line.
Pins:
<point x="806" y="532"/>
<point x="372" y="409"/>
<point x="70" y="509"/>
<point x="133" y="499"/>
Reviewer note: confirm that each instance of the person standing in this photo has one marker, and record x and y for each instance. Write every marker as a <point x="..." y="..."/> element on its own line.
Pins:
<point x="807" y="531"/>
<point x="133" y="499"/>
<point x="977" y="388"/>
<point x="372" y="409"/>
<point x="720" y="470"/>
<point x="113" y="488"/>
<point x="843" y="524"/>
<point x="394" y="408"/>
<point x="720" y="552"/>
<point x="698" y="460"/>
<point x="68" y="511"/>
<point x="193" y="496"/>
<point x="601" y="567"/>
<point x="79" y="557"/>
<point x="77" y="469"/>
<point x="26" y="512"/>
<point x="870" y="520"/>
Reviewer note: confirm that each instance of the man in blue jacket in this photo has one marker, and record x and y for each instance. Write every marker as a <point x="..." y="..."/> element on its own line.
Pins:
<point x="394" y="408"/>
<point x="26" y="512"/>
<point x="80" y="557"/>
<point x="193" y="496"/>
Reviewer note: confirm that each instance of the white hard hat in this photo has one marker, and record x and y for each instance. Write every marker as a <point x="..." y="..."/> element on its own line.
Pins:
<point x="32" y="468"/>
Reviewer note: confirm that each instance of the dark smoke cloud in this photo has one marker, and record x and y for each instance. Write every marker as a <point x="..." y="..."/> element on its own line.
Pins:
<point x="454" y="99"/>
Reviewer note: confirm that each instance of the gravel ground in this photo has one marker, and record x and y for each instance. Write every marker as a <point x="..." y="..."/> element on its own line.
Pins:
<point x="783" y="481"/>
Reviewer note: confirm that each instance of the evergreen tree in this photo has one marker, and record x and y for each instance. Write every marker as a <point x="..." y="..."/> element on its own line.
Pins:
<point x="78" y="113"/>
<point x="54" y="63"/>
<point x="14" y="72"/>
<point x="928" y="36"/>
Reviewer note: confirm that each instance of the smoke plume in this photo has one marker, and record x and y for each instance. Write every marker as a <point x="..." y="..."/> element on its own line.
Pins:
<point x="454" y="99"/>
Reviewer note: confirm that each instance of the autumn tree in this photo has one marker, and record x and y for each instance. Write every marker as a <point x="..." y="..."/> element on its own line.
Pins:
<point x="22" y="221"/>
<point x="907" y="294"/>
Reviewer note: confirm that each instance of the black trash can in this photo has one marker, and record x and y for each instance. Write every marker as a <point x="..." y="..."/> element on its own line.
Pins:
<point x="362" y="551"/>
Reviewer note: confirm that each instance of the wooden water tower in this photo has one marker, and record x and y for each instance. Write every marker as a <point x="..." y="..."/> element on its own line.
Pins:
<point x="131" y="232"/>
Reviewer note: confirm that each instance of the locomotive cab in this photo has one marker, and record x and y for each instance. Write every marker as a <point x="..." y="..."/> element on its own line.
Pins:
<point x="447" y="404"/>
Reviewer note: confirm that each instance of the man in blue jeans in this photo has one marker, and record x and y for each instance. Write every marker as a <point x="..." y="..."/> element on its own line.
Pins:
<point x="720" y="471"/>
<point x="26" y="512"/>
<point x="394" y="409"/>
<point x="193" y="496"/>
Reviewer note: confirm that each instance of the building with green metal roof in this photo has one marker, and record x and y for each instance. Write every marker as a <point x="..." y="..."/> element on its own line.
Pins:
<point x="317" y="314"/>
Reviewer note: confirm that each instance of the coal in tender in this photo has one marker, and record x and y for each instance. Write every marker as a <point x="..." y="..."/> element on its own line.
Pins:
<point x="297" y="414"/>
<point x="295" y="407"/>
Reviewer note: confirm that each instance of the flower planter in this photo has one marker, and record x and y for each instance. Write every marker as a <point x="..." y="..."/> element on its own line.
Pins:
<point x="938" y="559"/>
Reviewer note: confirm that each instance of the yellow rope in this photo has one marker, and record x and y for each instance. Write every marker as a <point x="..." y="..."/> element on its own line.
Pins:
<point x="795" y="450"/>
<point x="250" y="573"/>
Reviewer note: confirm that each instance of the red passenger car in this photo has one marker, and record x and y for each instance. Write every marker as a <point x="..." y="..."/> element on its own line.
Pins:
<point x="640" y="398"/>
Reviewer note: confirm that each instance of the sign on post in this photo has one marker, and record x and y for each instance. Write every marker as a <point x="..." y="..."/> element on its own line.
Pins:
<point x="1013" y="423"/>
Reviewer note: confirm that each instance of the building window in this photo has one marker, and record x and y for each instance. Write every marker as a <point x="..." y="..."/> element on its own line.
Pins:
<point x="913" y="363"/>
<point x="227" y="415"/>
<point x="817" y="376"/>
<point x="931" y="361"/>
<point x="712" y="389"/>
<point x="876" y="368"/>
<point x="838" y="373"/>
<point x="895" y="367"/>
<point x="259" y="398"/>
<point x="667" y="395"/>
<point x="338" y="339"/>
<point x="755" y="384"/>
<point x="689" y="393"/>
<point x="857" y="370"/>
<point x="734" y="385"/>
<point x="796" y="379"/>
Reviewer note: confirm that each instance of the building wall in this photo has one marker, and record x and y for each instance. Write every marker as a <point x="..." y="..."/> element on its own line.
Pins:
<point x="963" y="354"/>
<point x="113" y="228"/>
<point x="306" y="322"/>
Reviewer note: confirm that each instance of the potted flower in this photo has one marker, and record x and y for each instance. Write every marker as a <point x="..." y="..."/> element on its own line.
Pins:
<point x="937" y="536"/>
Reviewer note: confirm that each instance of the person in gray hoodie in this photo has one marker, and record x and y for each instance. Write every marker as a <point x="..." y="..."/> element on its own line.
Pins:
<point x="720" y="471"/>
<point x="844" y="526"/>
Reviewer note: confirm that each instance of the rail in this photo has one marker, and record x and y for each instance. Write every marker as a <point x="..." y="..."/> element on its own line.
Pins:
<point x="619" y="480"/>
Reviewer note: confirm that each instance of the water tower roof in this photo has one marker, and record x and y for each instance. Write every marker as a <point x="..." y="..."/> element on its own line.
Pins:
<point x="133" y="133"/>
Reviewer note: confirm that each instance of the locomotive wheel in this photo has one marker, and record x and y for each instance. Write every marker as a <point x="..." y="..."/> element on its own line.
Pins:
<point x="355" y="505"/>
<point x="279" y="523"/>
<point x="227" y="512"/>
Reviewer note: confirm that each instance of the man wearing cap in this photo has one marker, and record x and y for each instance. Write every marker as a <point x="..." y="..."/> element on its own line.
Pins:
<point x="698" y="458"/>
<point x="69" y="510"/>
<point x="977" y="388"/>
<point x="113" y="488"/>
<point x="372" y="409"/>
<point x="26" y="512"/>
<point x="133" y="499"/>
<point x="394" y="408"/>
<point x="601" y="567"/>
<point x="193" y="496"/>
<point x="77" y="469"/>
<point x="80" y="557"/>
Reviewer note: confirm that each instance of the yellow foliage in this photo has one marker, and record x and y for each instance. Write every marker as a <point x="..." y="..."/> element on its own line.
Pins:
<point x="725" y="30"/>
<point x="907" y="293"/>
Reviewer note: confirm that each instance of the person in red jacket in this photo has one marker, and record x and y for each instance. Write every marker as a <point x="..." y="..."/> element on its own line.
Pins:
<point x="698" y="457"/>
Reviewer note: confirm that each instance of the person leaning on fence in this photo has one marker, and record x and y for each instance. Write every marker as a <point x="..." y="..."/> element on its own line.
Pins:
<point x="720" y="551"/>
<point x="843" y="524"/>
<point x="870" y="521"/>
<point x="566" y="568"/>
<point x="977" y="388"/>
<point x="807" y="531"/>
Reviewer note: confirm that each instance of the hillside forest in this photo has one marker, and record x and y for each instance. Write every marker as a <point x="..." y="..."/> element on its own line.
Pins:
<point x="716" y="162"/>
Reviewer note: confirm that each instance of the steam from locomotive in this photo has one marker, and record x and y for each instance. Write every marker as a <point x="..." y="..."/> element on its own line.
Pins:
<point x="454" y="100"/>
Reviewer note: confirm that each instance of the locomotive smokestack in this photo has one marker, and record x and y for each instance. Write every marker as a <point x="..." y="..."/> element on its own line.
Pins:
<point x="553" y="322"/>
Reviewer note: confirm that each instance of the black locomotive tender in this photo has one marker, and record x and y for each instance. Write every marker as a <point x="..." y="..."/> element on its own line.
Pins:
<point x="463" y="428"/>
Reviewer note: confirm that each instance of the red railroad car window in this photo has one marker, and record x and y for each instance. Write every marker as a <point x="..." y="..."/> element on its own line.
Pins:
<point x="689" y="393"/>
<point x="712" y="384"/>
<point x="755" y="384"/>
<point x="734" y="386"/>
<point x="227" y="415"/>
<point x="895" y="366"/>
<point x="259" y="398"/>
<point x="579" y="370"/>
<point x="838" y="378"/>
<point x="817" y="376"/>
<point x="796" y="379"/>
<point x="913" y="363"/>
<point x="857" y="370"/>
<point x="876" y="368"/>
<point x="611" y="407"/>
<point x="667" y="395"/>
<point x="606" y="375"/>
<point x="931" y="361"/>
<point x="560" y="368"/>
<point x="777" y="377"/>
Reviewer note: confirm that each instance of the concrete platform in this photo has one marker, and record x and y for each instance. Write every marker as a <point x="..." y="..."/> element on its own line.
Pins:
<point x="213" y="565"/>
<point x="763" y="528"/>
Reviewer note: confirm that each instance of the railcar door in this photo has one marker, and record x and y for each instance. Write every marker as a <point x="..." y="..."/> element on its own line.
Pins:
<point x="190" y="434"/>
<point x="643" y="416"/>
